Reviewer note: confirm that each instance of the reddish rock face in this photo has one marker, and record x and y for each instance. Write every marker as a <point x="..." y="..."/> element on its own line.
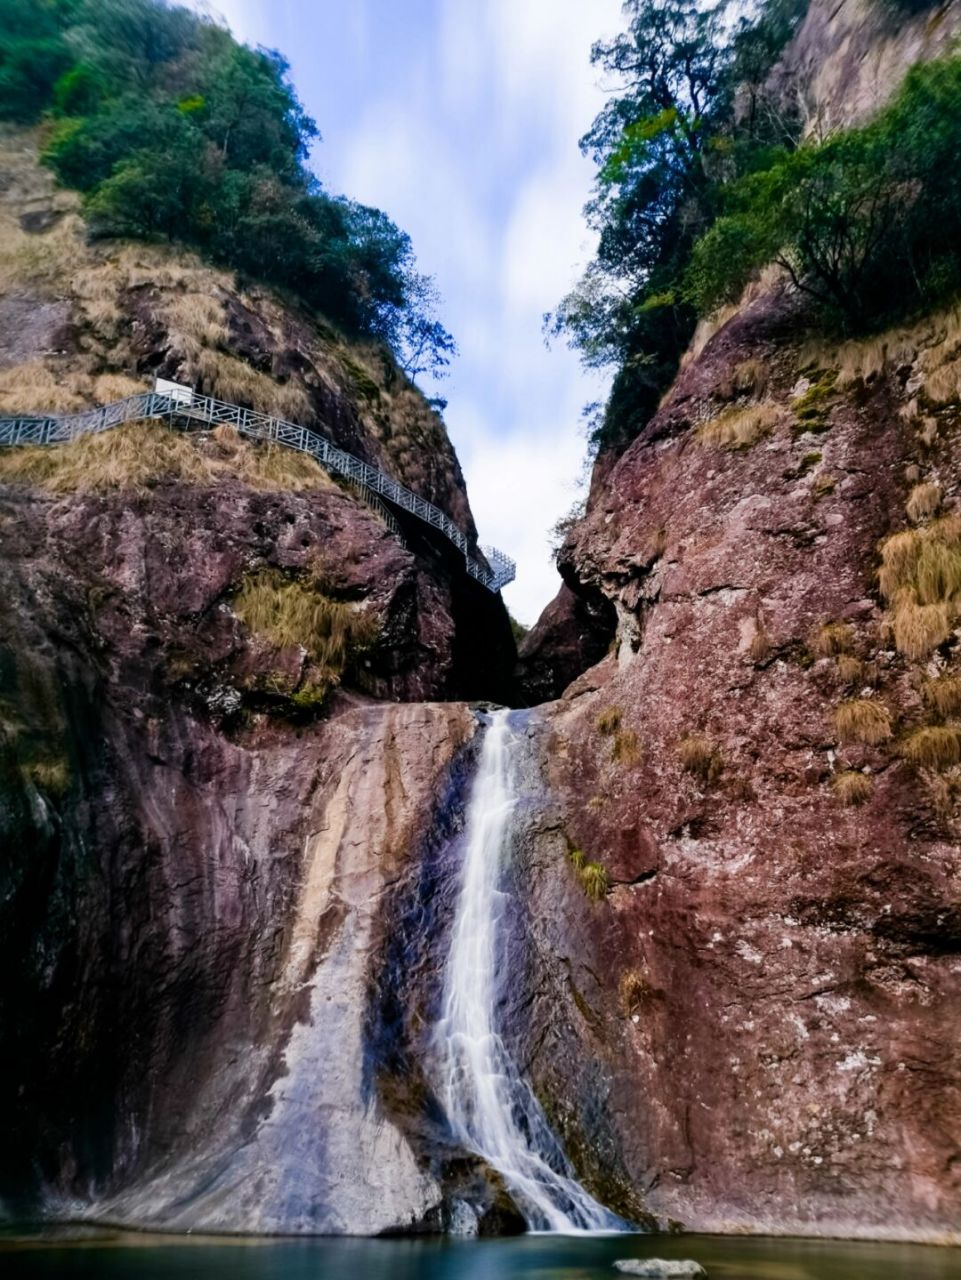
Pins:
<point x="771" y="990"/>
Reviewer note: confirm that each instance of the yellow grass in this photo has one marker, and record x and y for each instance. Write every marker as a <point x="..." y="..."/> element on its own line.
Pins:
<point x="626" y="749"/>
<point x="34" y="388"/>
<point x="924" y="501"/>
<point x="139" y="455"/>
<point x="751" y="377"/>
<point x="852" y="670"/>
<point x="920" y="628"/>
<point x="852" y="788"/>
<point x="761" y="644"/>
<point x="862" y="720"/>
<point x="832" y="638"/>
<point x="943" y="694"/>
<point x="633" y="991"/>
<point x="933" y="747"/>
<point x="700" y="756"/>
<point x="608" y="720"/>
<point x="739" y="428"/>
<point x="920" y="577"/>
<point x="591" y="876"/>
<point x="291" y="613"/>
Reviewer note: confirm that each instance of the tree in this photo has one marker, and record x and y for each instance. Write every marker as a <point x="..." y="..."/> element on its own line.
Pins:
<point x="666" y="143"/>
<point x="170" y="128"/>
<point x="423" y="344"/>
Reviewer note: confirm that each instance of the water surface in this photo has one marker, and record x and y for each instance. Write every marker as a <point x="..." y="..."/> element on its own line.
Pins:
<point x="103" y="1256"/>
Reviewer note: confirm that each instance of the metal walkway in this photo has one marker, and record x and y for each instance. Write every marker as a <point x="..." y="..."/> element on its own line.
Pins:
<point x="494" y="570"/>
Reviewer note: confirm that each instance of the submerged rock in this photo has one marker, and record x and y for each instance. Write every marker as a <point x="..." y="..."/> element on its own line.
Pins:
<point x="659" y="1269"/>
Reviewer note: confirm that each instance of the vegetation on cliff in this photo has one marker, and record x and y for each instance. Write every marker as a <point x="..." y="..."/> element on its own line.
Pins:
<point x="704" y="179"/>
<point x="171" y="129"/>
<point x="690" y="115"/>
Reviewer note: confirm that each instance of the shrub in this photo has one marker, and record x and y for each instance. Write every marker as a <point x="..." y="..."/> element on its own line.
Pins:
<point x="172" y="129"/>
<point x="739" y="428"/>
<point x="865" y="222"/>
<point x="862" y="720"/>
<point x="924" y="501"/>
<point x="700" y="756"/>
<point x="933" y="747"/>
<point x="852" y="788"/>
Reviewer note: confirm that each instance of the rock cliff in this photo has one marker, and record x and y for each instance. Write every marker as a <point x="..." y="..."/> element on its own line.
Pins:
<point x="207" y="786"/>
<point x="225" y="903"/>
<point x="779" y="1013"/>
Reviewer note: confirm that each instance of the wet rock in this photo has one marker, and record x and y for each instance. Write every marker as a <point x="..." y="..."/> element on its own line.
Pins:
<point x="659" y="1269"/>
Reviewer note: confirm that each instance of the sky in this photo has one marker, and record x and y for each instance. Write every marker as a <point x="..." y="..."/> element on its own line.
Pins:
<point x="460" y="119"/>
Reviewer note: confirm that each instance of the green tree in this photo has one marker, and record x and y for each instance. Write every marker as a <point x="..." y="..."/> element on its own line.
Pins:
<point x="672" y="134"/>
<point x="172" y="129"/>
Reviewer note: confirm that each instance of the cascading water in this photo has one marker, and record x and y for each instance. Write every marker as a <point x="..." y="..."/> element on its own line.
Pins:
<point x="490" y="1107"/>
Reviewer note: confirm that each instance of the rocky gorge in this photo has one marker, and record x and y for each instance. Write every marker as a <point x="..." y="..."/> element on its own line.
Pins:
<point x="229" y="862"/>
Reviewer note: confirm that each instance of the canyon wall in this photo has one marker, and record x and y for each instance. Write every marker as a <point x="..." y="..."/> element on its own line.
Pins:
<point x="772" y="979"/>
<point x="224" y="910"/>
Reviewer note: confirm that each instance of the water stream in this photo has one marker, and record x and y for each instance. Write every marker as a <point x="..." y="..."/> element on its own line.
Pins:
<point x="490" y="1106"/>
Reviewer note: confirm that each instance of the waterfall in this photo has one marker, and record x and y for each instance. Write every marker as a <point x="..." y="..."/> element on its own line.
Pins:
<point x="490" y="1107"/>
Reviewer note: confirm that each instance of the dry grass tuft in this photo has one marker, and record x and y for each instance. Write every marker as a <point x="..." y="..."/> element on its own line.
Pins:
<point x="750" y="377"/>
<point x="933" y="747"/>
<point x="608" y="721"/>
<point x="862" y="720"/>
<point x="625" y="749"/>
<point x="831" y="639"/>
<point x="853" y="671"/>
<point x="919" y="628"/>
<point x="33" y="388"/>
<point x="924" y="501"/>
<point x="291" y="613"/>
<point x="760" y="647"/>
<point x="633" y="991"/>
<point x="920" y="577"/>
<point x="739" y="428"/>
<point x="138" y="456"/>
<point x="51" y="776"/>
<point x="591" y="876"/>
<point x="943" y="694"/>
<point x="700" y="756"/>
<point x="852" y="788"/>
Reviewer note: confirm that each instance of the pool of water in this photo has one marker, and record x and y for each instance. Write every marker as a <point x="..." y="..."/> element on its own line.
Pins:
<point x="135" y="1257"/>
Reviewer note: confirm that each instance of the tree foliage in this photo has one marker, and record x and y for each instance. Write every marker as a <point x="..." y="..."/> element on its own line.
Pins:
<point x="866" y="223"/>
<point x="172" y="129"/>
<point x="687" y="115"/>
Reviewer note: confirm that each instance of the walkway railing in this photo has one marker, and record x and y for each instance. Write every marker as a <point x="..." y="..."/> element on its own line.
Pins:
<point x="494" y="570"/>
